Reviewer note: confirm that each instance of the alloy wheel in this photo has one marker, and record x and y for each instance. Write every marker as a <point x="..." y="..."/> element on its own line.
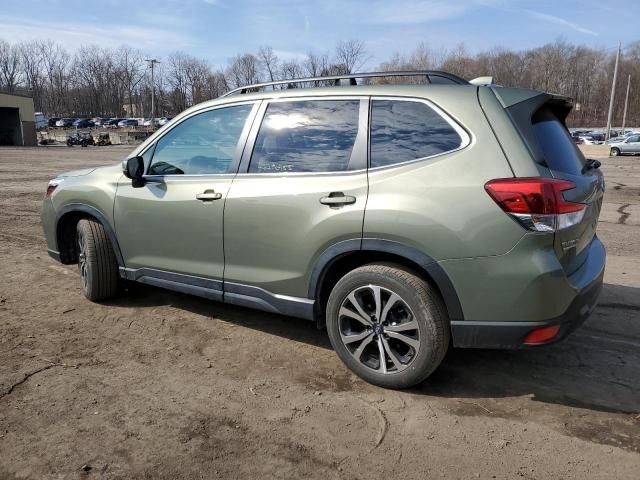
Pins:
<point x="379" y="329"/>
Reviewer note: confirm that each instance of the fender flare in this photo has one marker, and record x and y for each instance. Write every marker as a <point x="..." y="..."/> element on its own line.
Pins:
<point x="428" y="264"/>
<point x="94" y="212"/>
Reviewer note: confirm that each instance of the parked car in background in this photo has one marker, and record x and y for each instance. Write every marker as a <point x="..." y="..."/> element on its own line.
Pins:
<point x="113" y="123"/>
<point x="149" y="122"/>
<point x="578" y="140"/>
<point x="128" y="122"/>
<point x="41" y="120"/>
<point x="52" y="121"/>
<point x="164" y="120"/>
<point x="83" y="123"/>
<point x="629" y="146"/>
<point x="98" y="121"/>
<point x="65" y="122"/>
<point x="363" y="208"/>
<point x="622" y="137"/>
<point x="597" y="137"/>
<point x="589" y="140"/>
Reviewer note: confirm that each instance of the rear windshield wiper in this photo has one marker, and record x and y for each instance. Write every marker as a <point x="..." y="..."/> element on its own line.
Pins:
<point x="591" y="163"/>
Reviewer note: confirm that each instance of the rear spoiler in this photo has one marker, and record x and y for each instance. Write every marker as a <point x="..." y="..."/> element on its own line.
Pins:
<point x="482" y="81"/>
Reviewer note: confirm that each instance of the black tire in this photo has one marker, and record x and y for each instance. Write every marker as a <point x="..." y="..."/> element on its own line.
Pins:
<point x="424" y="307"/>
<point x="96" y="261"/>
<point x="615" y="152"/>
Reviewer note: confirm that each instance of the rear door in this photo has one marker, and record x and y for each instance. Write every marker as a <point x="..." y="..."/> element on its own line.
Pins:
<point x="565" y="161"/>
<point x="302" y="187"/>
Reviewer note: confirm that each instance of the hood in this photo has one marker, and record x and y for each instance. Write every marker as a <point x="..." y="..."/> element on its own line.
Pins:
<point x="77" y="173"/>
<point x="113" y="168"/>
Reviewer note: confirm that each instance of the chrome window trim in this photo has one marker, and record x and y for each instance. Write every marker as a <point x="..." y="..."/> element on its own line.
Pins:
<point x="466" y="138"/>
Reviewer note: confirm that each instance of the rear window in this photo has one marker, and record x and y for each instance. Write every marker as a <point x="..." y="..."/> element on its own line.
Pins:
<point x="559" y="149"/>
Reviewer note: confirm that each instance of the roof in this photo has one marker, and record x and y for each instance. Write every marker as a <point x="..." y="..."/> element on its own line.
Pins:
<point x="21" y="102"/>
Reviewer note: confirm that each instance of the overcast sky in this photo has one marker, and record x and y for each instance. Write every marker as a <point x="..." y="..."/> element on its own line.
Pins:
<point x="218" y="29"/>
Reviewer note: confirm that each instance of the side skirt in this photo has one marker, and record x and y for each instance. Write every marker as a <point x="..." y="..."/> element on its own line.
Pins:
<point x="232" y="293"/>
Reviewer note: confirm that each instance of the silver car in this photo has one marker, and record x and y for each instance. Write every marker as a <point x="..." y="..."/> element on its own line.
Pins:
<point x="628" y="146"/>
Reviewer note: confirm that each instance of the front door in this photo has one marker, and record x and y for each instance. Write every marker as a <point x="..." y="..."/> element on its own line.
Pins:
<point x="170" y="229"/>
<point x="301" y="187"/>
<point x="631" y="145"/>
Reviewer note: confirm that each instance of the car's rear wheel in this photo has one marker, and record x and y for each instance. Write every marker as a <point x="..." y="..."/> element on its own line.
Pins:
<point x="615" y="152"/>
<point x="388" y="325"/>
<point x="96" y="261"/>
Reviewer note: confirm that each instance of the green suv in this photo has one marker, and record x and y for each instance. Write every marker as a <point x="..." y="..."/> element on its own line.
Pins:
<point x="403" y="218"/>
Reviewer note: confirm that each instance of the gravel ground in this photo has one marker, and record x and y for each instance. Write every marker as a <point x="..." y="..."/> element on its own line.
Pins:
<point x="162" y="385"/>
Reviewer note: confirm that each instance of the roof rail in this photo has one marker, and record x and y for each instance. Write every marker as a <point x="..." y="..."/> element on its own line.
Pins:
<point x="352" y="77"/>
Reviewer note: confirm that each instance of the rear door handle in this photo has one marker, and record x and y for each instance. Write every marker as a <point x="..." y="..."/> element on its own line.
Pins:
<point x="337" y="199"/>
<point x="208" y="196"/>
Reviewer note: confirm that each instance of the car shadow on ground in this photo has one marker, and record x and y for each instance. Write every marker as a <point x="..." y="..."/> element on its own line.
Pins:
<point x="596" y="368"/>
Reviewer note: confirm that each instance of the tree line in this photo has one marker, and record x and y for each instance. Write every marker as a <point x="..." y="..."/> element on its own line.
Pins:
<point x="99" y="81"/>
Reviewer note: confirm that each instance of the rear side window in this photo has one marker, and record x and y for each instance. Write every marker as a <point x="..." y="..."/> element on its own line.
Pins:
<point x="559" y="149"/>
<point x="408" y="130"/>
<point x="306" y="136"/>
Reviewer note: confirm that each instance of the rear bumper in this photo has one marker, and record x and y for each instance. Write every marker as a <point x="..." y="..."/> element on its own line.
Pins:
<point x="587" y="283"/>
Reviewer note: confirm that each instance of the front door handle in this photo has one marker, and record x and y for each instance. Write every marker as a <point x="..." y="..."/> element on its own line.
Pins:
<point x="208" y="196"/>
<point x="337" y="199"/>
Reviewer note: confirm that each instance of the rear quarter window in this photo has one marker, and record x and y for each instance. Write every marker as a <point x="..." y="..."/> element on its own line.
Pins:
<point x="558" y="147"/>
<point x="403" y="130"/>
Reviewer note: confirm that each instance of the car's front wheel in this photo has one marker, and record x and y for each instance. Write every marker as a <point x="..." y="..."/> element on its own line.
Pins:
<point x="615" y="152"/>
<point x="388" y="325"/>
<point x="96" y="261"/>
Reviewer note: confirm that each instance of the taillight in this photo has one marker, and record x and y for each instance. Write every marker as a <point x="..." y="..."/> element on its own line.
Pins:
<point x="536" y="203"/>
<point x="53" y="184"/>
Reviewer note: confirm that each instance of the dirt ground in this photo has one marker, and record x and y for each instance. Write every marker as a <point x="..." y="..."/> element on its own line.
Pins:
<point x="162" y="385"/>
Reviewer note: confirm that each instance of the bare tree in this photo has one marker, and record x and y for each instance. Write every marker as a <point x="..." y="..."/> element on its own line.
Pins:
<point x="56" y="67"/>
<point x="351" y="55"/>
<point x="9" y="66"/>
<point x="32" y="67"/>
<point x="269" y="62"/>
<point x="99" y="81"/>
<point x="131" y="70"/>
<point x="291" y="70"/>
<point x="216" y="84"/>
<point x="244" y="69"/>
<point x="177" y="80"/>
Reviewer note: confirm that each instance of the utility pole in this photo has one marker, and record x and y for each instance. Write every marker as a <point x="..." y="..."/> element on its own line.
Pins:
<point x="613" y="93"/>
<point x="626" y="102"/>
<point x="152" y="63"/>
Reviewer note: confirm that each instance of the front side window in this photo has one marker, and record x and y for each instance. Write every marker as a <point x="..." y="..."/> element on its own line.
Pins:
<point x="306" y="136"/>
<point x="408" y="130"/>
<point x="202" y="144"/>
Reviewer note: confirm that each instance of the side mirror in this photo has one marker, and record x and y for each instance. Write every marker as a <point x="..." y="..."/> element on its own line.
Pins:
<point x="134" y="169"/>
